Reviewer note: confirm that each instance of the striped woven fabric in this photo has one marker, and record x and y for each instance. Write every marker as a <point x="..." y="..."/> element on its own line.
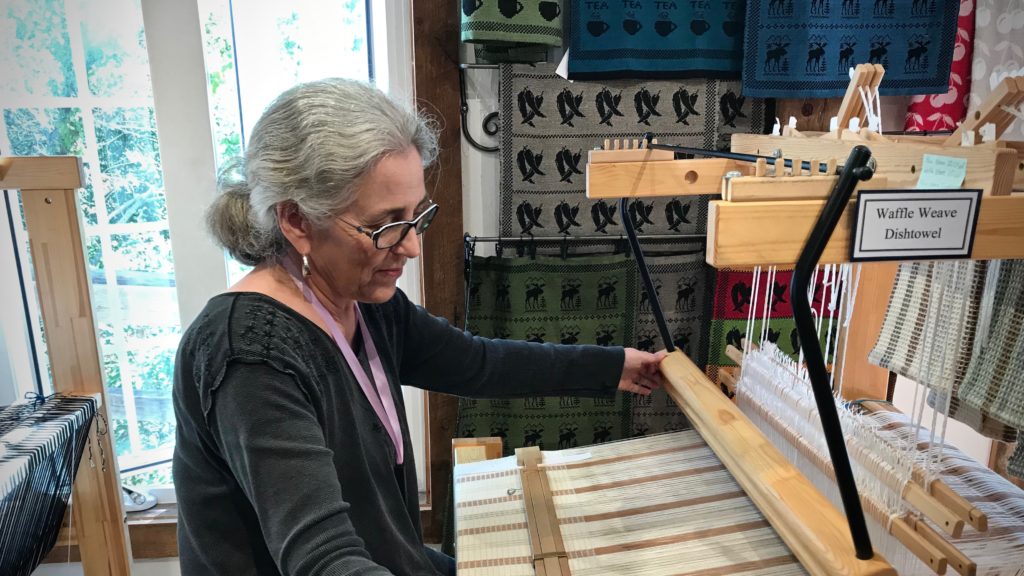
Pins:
<point x="929" y="332"/>
<point x="659" y="505"/>
<point x="994" y="383"/>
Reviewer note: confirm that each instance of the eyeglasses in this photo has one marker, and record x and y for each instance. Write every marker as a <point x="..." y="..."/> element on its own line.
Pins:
<point x="390" y="235"/>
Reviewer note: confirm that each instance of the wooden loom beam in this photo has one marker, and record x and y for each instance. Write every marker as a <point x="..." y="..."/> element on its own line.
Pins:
<point x="745" y="234"/>
<point x="807" y="522"/>
<point x="55" y="237"/>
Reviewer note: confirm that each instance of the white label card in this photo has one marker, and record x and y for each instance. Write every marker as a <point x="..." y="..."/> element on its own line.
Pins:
<point x="914" y="224"/>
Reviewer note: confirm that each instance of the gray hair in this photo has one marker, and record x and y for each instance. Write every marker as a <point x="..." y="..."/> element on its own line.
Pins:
<point x="311" y="147"/>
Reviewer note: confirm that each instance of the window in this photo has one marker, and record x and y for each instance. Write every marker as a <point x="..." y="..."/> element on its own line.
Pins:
<point x="78" y="81"/>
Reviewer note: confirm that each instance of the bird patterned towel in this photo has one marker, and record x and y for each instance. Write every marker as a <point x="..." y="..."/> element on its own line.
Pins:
<point x="549" y="124"/>
<point x="655" y="39"/>
<point x="734" y="295"/>
<point x="913" y="39"/>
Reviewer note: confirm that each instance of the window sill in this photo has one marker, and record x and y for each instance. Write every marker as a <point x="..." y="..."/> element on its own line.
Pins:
<point x="153" y="532"/>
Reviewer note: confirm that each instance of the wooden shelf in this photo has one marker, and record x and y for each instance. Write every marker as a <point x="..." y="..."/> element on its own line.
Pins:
<point x="746" y="234"/>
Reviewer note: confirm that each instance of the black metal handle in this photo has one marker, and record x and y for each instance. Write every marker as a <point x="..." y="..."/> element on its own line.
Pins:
<point x="855" y="169"/>
<point x="645" y="274"/>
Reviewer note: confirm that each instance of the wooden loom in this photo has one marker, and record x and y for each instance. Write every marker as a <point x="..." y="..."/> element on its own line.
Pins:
<point x="764" y="218"/>
<point x="48" y="193"/>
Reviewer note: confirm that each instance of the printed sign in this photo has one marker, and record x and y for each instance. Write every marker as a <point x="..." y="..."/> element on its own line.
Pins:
<point x="914" y="224"/>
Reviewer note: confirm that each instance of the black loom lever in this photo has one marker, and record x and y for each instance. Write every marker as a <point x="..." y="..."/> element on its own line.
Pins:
<point x="857" y="168"/>
<point x="645" y="274"/>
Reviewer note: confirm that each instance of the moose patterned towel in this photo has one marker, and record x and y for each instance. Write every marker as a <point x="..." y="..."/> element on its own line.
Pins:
<point x="586" y="300"/>
<point x="797" y="49"/>
<point x="512" y="30"/>
<point x="655" y="39"/>
<point x="684" y="287"/>
<point x="549" y="124"/>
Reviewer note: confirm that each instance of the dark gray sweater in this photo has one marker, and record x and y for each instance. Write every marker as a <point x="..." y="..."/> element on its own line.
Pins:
<point x="281" y="465"/>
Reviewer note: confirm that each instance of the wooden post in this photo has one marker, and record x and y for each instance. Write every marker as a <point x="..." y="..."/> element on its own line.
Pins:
<point x="55" y="239"/>
<point x="436" y="56"/>
<point x="861" y="379"/>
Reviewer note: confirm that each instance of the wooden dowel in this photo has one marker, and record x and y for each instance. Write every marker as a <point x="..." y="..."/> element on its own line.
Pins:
<point x="916" y="543"/>
<point x="957" y="559"/>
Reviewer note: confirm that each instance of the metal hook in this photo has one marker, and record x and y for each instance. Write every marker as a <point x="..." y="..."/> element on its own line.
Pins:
<point x="489" y="124"/>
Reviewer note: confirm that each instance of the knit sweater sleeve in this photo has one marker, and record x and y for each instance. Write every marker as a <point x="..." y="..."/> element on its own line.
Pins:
<point x="269" y="433"/>
<point x="441" y="358"/>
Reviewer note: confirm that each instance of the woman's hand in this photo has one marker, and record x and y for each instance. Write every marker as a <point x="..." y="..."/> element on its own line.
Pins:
<point x="640" y="372"/>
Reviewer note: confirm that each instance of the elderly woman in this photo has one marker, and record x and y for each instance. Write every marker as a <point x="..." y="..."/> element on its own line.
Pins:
<point x="293" y="452"/>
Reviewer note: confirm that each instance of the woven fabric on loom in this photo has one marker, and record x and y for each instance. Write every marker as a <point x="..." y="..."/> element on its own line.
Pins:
<point x="648" y="507"/>
<point x="512" y="30"/>
<point x="684" y="287"/>
<point x="549" y="124"/>
<point x="587" y="300"/>
<point x="998" y="52"/>
<point x="655" y="39"/>
<point x="805" y="49"/>
<point x="994" y="383"/>
<point x="41" y="445"/>
<point x="944" y="111"/>
<point x="731" y="309"/>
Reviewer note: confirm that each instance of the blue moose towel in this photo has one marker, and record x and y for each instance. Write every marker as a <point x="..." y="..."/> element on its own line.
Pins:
<point x="805" y="48"/>
<point x="655" y="39"/>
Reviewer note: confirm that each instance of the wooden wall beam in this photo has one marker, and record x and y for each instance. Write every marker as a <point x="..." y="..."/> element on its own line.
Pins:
<point x="436" y="79"/>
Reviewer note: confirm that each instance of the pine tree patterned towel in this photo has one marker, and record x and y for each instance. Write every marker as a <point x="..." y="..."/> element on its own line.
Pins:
<point x="655" y="39"/>
<point x="796" y="49"/>
<point x="512" y="30"/>
<point x="994" y="383"/>
<point x="549" y="124"/>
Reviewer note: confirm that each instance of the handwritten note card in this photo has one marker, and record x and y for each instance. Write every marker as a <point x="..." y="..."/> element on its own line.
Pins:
<point x="942" y="172"/>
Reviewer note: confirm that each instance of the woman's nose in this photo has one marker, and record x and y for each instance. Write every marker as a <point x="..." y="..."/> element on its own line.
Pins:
<point x="409" y="246"/>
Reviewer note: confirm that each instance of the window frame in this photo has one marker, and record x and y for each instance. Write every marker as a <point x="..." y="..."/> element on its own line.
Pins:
<point x="181" y="102"/>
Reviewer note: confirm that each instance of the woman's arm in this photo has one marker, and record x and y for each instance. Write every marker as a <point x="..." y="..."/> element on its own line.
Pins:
<point x="441" y="358"/>
<point x="269" y="435"/>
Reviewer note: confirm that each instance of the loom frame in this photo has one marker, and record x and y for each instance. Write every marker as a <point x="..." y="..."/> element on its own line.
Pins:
<point x="48" y="186"/>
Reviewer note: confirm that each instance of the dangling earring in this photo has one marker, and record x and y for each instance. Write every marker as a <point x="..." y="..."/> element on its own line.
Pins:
<point x="305" y="266"/>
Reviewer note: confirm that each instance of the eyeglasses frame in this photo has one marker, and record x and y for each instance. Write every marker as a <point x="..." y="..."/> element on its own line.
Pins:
<point x="409" y="225"/>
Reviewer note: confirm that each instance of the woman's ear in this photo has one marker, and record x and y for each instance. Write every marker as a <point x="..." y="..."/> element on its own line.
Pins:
<point x="294" y="226"/>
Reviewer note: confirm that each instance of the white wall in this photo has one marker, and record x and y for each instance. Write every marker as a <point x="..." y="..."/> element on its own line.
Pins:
<point x="480" y="169"/>
<point x="960" y="435"/>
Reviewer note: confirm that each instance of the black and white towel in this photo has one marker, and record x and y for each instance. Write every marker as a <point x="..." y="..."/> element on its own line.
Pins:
<point x="548" y="125"/>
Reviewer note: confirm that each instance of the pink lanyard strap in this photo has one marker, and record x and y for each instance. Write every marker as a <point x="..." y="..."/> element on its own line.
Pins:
<point x="384" y="405"/>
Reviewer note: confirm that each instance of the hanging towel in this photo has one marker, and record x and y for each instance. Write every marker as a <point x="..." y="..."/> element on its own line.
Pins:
<point x="512" y="30"/>
<point x="998" y="52"/>
<point x="994" y="383"/>
<point x="587" y="300"/>
<point x="928" y="335"/>
<point x="944" y="111"/>
<point x="655" y="39"/>
<point x="549" y="124"/>
<point x="684" y="291"/>
<point x="799" y="49"/>
<point x="731" y="309"/>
